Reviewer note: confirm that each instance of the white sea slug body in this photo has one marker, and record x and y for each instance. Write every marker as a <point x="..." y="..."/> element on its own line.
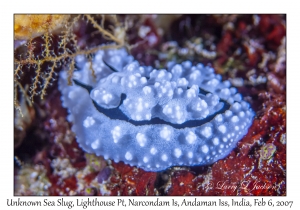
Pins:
<point x="153" y="119"/>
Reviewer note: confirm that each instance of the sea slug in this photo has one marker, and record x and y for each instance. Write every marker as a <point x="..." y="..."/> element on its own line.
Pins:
<point x="153" y="119"/>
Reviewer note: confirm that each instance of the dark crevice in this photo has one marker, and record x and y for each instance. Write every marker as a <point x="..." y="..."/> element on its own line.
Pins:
<point x="109" y="66"/>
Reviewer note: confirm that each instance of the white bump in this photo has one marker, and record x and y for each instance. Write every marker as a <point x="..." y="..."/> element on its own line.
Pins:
<point x="225" y="91"/>
<point x="191" y="93"/>
<point x="168" y="110"/>
<point x="206" y="132"/>
<point x="95" y="144"/>
<point x="219" y="118"/>
<point x="236" y="106"/>
<point x="228" y="113"/>
<point x="161" y="74"/>
<point x="177" y="152"/>
<point x="72" y="94"/>
<point x="116" y="133"/>
<point x="147" y="90"/>
<point x="191" y="137"/>
<point x="115" y="80"/>
<point x="179" y="91"/>
<point x="204" y="149"/>
<point x="139" y="107"/>
<point x="96" y="93"/>
<point x="89" y="121"/>
<point x="141" y="139"/>
<point x="236" y="128"/>
<point x="131" y="77"/>
<point x="143" y="80"/>
<point x="222" y="128"/>
<point x="225" y="139"/>
<point x="204" y="104"/>
<point x="213" y="82"/>
<point x="190" y="154"/>
<point x="215" y="141"/>
<point x="234" y="119"/>
<point x="153" y="150"/>
<point x="165" y="133"/>
<point x="107" y="98"/>
<point x="128" y="156"/>
<point x="164" y="157"/>
<point x="242" y="114"/>
<point x="145" y="159"/>
<point x="138" y="117"/>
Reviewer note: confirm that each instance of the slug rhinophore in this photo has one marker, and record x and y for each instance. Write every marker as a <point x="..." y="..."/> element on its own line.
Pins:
<point x="153" y="119"/>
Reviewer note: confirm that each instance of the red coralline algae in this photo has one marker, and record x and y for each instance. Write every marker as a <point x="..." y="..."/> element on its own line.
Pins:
<point x="128" y="180"/>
